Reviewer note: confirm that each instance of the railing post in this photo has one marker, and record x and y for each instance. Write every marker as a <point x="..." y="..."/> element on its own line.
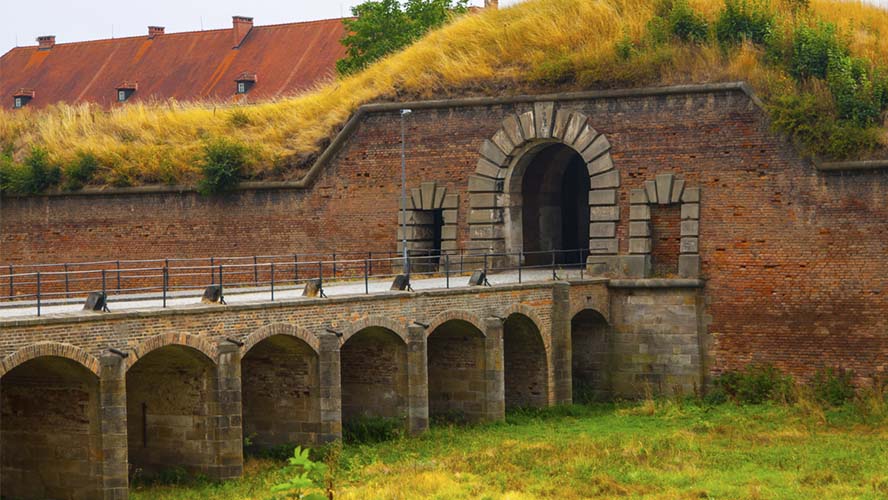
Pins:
<point x="295" y="269"/>
<point x="212" y="271"/>
<point x="519" y="266"/>
<point x="554" y="274"/>
<point x="67" y="290"/>
<point x="255" y="271"/>
<point x="221" y="286"/>
<point x="367" y="277"/>
<point x="447" y="269"/>
<point x="38" y="293"/>
<point x="118" y="276"/>
<point x="272" y="281"/>
<point x="370" y="258"/>
<point x="334" y="265"/>
<point x="485" y="264"/>
<point x="321" y="277"/>
<point x="104" y="275"/>
<point x="165" y="279"/>
<point x="11" y="286"/>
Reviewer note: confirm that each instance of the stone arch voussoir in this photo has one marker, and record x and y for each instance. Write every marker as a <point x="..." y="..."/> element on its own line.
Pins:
<point x="455" y="315"/>
<point x="195" y="342"/>
<point x="529" y="313"/>
<point x="547" y="122"/>
<point x="50" y="349"/>
<point x="284" y="329"/>
<point x="374" y="321"/>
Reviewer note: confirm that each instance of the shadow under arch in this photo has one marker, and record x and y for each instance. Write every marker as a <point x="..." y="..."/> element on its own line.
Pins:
<point x="526" y="364"/>
<point x="50" y="428"/>
<point x="457" y="371"/>
<point x="591" y="356"/>
<point x="373" y="372"/>
<point x="280" y="388"/>
<point x="172" y="397"/>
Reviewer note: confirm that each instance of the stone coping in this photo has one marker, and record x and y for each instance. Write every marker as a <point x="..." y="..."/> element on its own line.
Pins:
<point x="656" y="283"/>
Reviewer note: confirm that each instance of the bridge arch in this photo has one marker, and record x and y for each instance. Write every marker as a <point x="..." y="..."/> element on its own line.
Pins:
<point x="50" y="349"/>
<point x="285" y="329"/>
<point x="280" y="387"/>
<point x="389" y="324"/>
<point x="456" y="315"/>
<point x="195" y="342"/>
<point x="545" y="180"/>
<point x="526" y="361"/>
<point x="591" y="355"/>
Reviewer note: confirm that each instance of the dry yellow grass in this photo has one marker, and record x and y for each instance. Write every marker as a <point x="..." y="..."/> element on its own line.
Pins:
<point x="161" y="143"/>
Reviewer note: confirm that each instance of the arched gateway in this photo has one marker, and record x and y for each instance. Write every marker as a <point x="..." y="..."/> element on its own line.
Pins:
<point x="545" y="185"/>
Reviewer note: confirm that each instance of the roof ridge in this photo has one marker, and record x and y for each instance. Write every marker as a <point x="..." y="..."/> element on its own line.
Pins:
<point x="178" y="33"/>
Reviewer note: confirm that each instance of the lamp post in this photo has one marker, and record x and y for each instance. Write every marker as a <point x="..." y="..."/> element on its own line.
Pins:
<point x="404" y="113"/>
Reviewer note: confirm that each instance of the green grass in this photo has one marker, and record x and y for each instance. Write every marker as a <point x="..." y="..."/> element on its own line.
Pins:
<point x="662" y="450"/>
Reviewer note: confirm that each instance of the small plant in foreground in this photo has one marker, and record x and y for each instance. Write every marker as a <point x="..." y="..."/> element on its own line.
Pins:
<point x="309" y="480"/>
<point x="756" y="384"/>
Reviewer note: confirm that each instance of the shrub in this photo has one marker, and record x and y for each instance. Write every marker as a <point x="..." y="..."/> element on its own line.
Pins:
<point x="625" y="48"/>
<point x="744" y="20"/>
<point x="812" y="47"/>
<point x="811" y="121"/>
<point x="223" y="164"/>
<point x="366" y="429"/>
<point x="756" y="384"/>
<point x="687" y="25"/>
<point x="833" y="386"/>
<point x="80" y="171"/>
<point x="34" y="175"/>
<point x="858" y="97"/>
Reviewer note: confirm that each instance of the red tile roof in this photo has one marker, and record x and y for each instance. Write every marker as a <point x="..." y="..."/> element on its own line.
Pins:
<point x="200" y="65"/>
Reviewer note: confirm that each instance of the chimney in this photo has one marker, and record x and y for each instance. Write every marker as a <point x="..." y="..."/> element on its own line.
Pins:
<point x="154" y="31"/>
<point x="46" y="42"/>
<point x="491" y="4"/>
<point x="242" y="27"/>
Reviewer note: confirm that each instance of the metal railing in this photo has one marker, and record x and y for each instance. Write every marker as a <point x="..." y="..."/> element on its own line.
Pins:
<point x="43" y="285"/>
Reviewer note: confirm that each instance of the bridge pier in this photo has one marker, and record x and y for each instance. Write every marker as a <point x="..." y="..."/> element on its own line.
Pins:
<point x="225" y="415"/>
<point x="561" y="343"/>
<point x="331" y="389"/>
<point x="417" y="380"/>
<point x="494" y="370"/>
<point x="112" y="415"/>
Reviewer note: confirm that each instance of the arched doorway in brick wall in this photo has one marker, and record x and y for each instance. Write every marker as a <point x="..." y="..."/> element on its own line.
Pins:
<point x="171" y="395"/>
<point x="280" y="402"/>
<point x="456" y="371"/>
<point x="50" y="438"/>
<point x="526" y="373"/>
<point x="591" y="351"/>
<point x="545" y="181"/>
<point x="373" y="365"/>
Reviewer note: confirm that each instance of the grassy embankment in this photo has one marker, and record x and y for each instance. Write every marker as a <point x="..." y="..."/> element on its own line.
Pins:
<point x="535" y="46"/>
<point x="654" y="450"/>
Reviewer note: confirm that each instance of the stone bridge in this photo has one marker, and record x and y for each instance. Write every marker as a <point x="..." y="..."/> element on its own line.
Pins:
<point x="90" y="401"/>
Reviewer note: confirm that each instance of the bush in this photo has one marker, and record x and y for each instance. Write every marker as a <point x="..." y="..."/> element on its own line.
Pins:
<point x="687" y="25"/>
<point x="80" y="171"/>
<point x="757" y="384"/>
<point x="34" y="175"/>
<point x="812" y="122"/>
<point x="812" y="48"/>
<point x="744" y="20"/>
<point x="859" y="98"/>
<point x="833" y="386"/>
<point x="366" y="430"/>
<point x="223" y="165"/>
<point x="554" y="70"/>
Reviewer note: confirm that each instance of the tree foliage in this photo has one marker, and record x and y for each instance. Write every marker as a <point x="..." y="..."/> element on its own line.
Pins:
<point x="381" y="27"/>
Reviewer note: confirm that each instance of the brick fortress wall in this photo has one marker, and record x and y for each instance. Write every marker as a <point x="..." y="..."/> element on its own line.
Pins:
<point x="794" y="258"/>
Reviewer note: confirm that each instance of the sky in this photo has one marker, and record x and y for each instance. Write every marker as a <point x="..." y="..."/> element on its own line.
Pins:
<point x="77" y="20"/>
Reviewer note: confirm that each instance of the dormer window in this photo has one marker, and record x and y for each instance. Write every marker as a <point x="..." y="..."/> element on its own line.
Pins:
<point x="245" y="82"/>
<point x="21" y="98"/>
<point x="125" y="90"/>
